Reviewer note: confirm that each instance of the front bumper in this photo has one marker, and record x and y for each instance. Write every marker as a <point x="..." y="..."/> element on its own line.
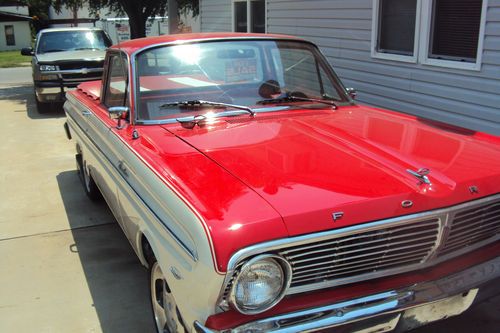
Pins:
<point x="61" y="81"/>
<point x="402" y="309"/>
<point x="48" y="91"/>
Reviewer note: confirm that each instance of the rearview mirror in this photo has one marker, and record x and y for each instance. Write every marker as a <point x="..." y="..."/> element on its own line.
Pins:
<point x="27" y="51"/>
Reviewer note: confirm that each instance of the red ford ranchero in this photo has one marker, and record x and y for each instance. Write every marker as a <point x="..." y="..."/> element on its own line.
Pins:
<point x="262" y="198"/>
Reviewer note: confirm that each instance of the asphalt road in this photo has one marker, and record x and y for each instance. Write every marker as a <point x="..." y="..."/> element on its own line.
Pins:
<point x="65" y="265"/>
<point x="15" y="76"/>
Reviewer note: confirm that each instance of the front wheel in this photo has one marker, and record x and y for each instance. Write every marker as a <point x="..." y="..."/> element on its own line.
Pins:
<point x="166" y="314"/>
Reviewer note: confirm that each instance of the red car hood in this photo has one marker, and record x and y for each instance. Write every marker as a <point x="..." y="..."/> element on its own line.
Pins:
<point x="309" y="164"/>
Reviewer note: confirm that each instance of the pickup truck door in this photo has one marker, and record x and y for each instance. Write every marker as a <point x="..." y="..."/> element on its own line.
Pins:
<point x="116" y="94"/>
<point x="108" y="171"/>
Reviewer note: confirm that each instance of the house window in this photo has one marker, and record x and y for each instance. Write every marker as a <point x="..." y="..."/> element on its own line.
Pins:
<point x="446" y="33"/>
<point x="397" y="26"/>
<point x="249" y="16"/>
<point x="9" y="35"/>
<point x="455" y="30"/>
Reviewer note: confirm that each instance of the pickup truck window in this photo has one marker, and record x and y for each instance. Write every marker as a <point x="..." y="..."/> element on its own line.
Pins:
<point x="57" y="41"/>
<point x="245" y="73"/>
<point x="117" y="81"/>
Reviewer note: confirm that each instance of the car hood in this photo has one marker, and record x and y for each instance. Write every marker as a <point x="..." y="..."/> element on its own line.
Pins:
<point x="310" y="164"/>
<point x="82" y="55"/>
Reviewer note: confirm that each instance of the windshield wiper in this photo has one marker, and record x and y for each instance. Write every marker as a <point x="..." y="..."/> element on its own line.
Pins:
<point x="194" y="103"/>
<point x="292" y="98"/>
<point x="191" y="121"/>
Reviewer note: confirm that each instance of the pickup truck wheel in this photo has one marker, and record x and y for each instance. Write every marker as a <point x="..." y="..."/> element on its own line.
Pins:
<point x="165" y="311"/>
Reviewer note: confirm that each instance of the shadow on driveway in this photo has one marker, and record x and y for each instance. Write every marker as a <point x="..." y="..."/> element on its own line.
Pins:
<point x="115" y="278"/>
<point x="25" y="96"/>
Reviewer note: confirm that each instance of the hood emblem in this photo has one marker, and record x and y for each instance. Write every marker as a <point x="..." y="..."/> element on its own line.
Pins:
<point x="406" y="203"/>
<point x="421" y="175"/>
<point x="473" y="189"/>
<point x="337" y="216"/>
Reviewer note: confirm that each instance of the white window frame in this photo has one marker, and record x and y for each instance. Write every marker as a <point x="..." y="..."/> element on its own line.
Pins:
<point x="249" y="14"/>
<point x="375" y="31"/>
<point x="425" y="39"/>
<point x="423" y="22"/>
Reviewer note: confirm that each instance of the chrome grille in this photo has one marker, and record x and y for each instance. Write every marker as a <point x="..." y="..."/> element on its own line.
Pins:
<point x="381" y="248"/>
<point x="471" y="227"/>
<point x="80" y="64"/>
<point x="362" y="252"/>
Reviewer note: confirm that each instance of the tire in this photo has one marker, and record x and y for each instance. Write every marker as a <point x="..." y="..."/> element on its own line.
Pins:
<point x="89" y="185"/>
<point x="42" y="107"/>
<point x="166" y="315"/>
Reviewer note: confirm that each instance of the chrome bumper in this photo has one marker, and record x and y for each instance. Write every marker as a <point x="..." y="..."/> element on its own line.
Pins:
<point x="406" y="308"/>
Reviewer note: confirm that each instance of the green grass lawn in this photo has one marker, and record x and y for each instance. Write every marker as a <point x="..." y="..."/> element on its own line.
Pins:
<point x="13" y="59"/>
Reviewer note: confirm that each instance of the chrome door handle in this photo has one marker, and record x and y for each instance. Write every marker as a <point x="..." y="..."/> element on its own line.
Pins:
<point x="122" y="168"/>
<point x="86" y="113"/>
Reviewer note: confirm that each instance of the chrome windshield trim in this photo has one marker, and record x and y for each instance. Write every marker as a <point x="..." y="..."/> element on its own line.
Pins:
<point x="281" y="244"/>
<point x="135" y="82"/>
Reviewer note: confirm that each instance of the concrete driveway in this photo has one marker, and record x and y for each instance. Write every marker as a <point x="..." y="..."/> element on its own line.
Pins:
<point x="65" y="265"/>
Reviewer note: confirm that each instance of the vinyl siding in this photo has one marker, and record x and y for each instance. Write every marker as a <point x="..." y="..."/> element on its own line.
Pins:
<point x="342" y="29"/>
<point x="215" y="15"/>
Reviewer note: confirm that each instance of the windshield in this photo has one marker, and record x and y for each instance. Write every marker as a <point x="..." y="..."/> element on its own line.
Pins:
<point x="253" y="73"/>
<point x="57" y="41"/>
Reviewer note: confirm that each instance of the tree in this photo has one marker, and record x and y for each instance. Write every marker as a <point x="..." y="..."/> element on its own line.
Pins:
<point x="137" y="11"/>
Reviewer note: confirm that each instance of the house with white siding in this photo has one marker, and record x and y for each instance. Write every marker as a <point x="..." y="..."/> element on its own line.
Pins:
<point x="15" y="32"/>
<point x="437" y="59"/>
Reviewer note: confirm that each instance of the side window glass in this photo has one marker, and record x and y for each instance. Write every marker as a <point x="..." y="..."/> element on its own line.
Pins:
<point x="116" y="88"/>
<point x="328" y="88"/>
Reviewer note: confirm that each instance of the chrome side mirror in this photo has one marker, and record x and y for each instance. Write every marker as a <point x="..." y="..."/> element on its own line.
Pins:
<point x="118" y="112"/>
<point x="352" y="92"/>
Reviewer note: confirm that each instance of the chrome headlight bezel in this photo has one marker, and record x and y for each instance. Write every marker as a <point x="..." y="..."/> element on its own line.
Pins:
<point x="286" y="270"/>
<point x="48" y="68"/>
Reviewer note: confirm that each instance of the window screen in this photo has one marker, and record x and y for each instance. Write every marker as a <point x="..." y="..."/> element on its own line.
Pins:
<point x="9" y="35"/>
<point x="396" y="33"/>
<point x="455" y="30"/>
<point x="258" y="16"/>
<point x="240" y="16"/>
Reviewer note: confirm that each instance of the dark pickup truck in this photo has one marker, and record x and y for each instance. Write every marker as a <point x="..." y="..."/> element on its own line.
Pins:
<point x="62" y="59"/>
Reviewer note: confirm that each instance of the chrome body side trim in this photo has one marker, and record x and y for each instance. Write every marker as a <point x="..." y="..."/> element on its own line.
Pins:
<point x="190" y="252"/>
<point x="373" y="306"/>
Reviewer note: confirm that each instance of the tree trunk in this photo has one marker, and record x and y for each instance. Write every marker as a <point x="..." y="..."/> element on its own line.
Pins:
<point x="137" y="23"/>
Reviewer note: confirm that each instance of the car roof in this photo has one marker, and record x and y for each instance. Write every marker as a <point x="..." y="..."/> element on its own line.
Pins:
<point x="69" y="29"/>
<point x="133" y="45"/>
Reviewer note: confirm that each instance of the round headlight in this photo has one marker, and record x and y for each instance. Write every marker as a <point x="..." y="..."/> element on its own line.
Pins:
<point x="261" y="283"/>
